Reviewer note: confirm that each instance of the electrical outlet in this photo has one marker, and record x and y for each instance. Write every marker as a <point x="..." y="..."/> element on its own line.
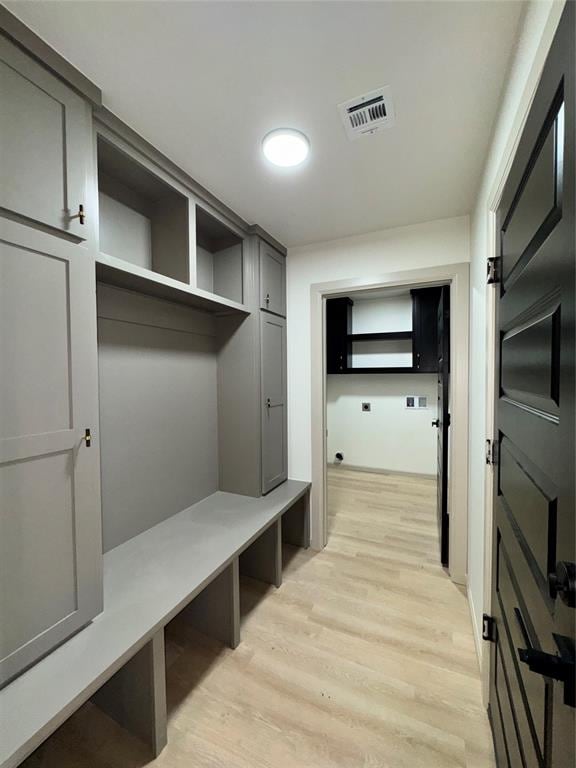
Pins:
<point x="416" y="402"/>
<point x="366" y="407"/>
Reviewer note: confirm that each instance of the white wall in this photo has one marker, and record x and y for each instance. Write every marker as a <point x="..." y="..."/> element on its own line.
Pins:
<point x="389" y="436"/>
<point x="404" y="248"/>
<point x="383" y="314"/>
<point x="537" y="31"/>
<point x="387" y="314"/>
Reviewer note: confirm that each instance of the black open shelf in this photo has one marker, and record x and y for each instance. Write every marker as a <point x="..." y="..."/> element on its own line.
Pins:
<point x="391" y="336"/>
<point x="403" y="369"/>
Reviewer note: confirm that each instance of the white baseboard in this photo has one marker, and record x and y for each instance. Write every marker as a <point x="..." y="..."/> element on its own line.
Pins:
<point x="379" y="470"/>
<point x="476" y="629"/>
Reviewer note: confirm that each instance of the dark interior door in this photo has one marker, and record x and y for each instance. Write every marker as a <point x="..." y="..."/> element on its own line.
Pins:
<point x="443" y="421"/>
<point x="532" y="661"/>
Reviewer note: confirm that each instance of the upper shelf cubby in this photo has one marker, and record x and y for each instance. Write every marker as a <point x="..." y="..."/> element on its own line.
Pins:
<point x="218" y="257"/>
<point x="142" y="219"/>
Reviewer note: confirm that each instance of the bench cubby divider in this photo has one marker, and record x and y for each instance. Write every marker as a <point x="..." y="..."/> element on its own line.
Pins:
<point x="136" y="695"/>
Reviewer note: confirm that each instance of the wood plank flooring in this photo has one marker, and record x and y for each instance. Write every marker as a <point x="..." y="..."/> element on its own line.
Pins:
<point x="364" y="658"/>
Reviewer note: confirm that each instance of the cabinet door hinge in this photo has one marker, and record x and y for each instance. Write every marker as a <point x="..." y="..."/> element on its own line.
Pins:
<point x="493" y="271"/>
<point x="488" y="628"/>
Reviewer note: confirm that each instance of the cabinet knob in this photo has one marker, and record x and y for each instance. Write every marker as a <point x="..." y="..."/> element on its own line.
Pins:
<point x="81" y="215"/>
<point x="267" y="299"/>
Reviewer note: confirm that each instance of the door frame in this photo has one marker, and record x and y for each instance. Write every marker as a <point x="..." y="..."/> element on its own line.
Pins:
<point x="457" y="276"/>
<point x="494" y="197"/>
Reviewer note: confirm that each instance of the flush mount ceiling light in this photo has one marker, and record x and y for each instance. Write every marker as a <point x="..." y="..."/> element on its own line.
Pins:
<point x="285" y="147"/>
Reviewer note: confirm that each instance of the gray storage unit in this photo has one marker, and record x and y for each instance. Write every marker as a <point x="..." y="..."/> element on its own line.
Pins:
<point x="188" y="360"/>
<point x="50" y="537"/>
<point x="274" y="422"/>
<point x="272" y="280"/>
<point x="45" y="143"/>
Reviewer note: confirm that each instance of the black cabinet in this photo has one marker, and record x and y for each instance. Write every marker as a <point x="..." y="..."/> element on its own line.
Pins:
<point x="423" y="337"/>
<point x="338" y="329"/>
<point x="425" y="329"/>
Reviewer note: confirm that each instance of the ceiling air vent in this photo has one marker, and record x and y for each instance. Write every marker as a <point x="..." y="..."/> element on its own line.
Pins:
<point x="368" y="113"/>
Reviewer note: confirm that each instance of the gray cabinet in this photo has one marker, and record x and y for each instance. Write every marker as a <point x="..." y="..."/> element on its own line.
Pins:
<point x="45" y="144"/>
<point x="252" y="426"/>
<point x="273" y="391"/>
<point x="50" y="537"/>
<point x="272" y="280"/>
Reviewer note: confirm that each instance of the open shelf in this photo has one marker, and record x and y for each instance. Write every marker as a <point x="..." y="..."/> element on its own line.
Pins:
<point x="391" y="336"/>
<point x="382" y="351"/>
<point x="218" y="257"/>
<point x="142" y="220"/>
<point x="123" y="274"/>
<point x="381" y="370"/>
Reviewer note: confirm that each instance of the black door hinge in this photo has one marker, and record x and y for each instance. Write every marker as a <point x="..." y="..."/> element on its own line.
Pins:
<point x="491" y="452"/>
<point x="488" y="628"/>
<point x="448" y="420"/>
<point x="493" y="271"/>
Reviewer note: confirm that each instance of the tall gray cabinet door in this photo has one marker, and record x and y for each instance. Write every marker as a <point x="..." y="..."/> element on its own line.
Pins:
<point x="274" y="424"/>
<point x="50" y="518"/>
<point x="272" y="280"/>
<point x="45" y="144"/>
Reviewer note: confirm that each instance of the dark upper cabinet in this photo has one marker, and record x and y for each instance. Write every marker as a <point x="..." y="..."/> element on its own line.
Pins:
<point x="425" y="329"/>
<point x="338" y="328"/>
<point x="424" y="335"/>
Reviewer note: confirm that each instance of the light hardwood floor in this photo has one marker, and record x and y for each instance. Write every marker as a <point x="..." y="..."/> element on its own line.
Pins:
<point x="364" y="658"/>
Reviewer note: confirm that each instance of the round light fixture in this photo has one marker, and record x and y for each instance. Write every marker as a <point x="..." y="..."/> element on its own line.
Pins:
<point x="285" y="147"/>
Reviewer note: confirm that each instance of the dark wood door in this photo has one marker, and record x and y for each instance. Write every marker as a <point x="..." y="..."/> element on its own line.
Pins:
<point x="443" y="421"/>
<point x="425" y="329"/>
<point x="338" y="330"/>
<point x="532" y="663"/>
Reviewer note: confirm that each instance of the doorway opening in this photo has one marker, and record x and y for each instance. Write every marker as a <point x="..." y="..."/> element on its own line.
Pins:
<point x="455" y="275"/>
<point x="387" y="392"/>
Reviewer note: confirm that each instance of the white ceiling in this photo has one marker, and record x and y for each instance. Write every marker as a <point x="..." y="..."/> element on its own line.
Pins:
<point x="204" y="81"/>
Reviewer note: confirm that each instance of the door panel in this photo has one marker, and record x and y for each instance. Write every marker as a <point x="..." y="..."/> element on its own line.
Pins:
<point x="45" y="143"/>
<point x="35" y="393"/>
<point x="534" y="506"/>
<point x="38" y="539"/>
<point x="272" y="280"/>
<point x="50" y="519"/>
<point x="274" y="424"/>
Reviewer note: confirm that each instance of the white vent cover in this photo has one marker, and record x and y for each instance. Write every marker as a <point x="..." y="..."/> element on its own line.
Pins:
<point x="368" y="113"/>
